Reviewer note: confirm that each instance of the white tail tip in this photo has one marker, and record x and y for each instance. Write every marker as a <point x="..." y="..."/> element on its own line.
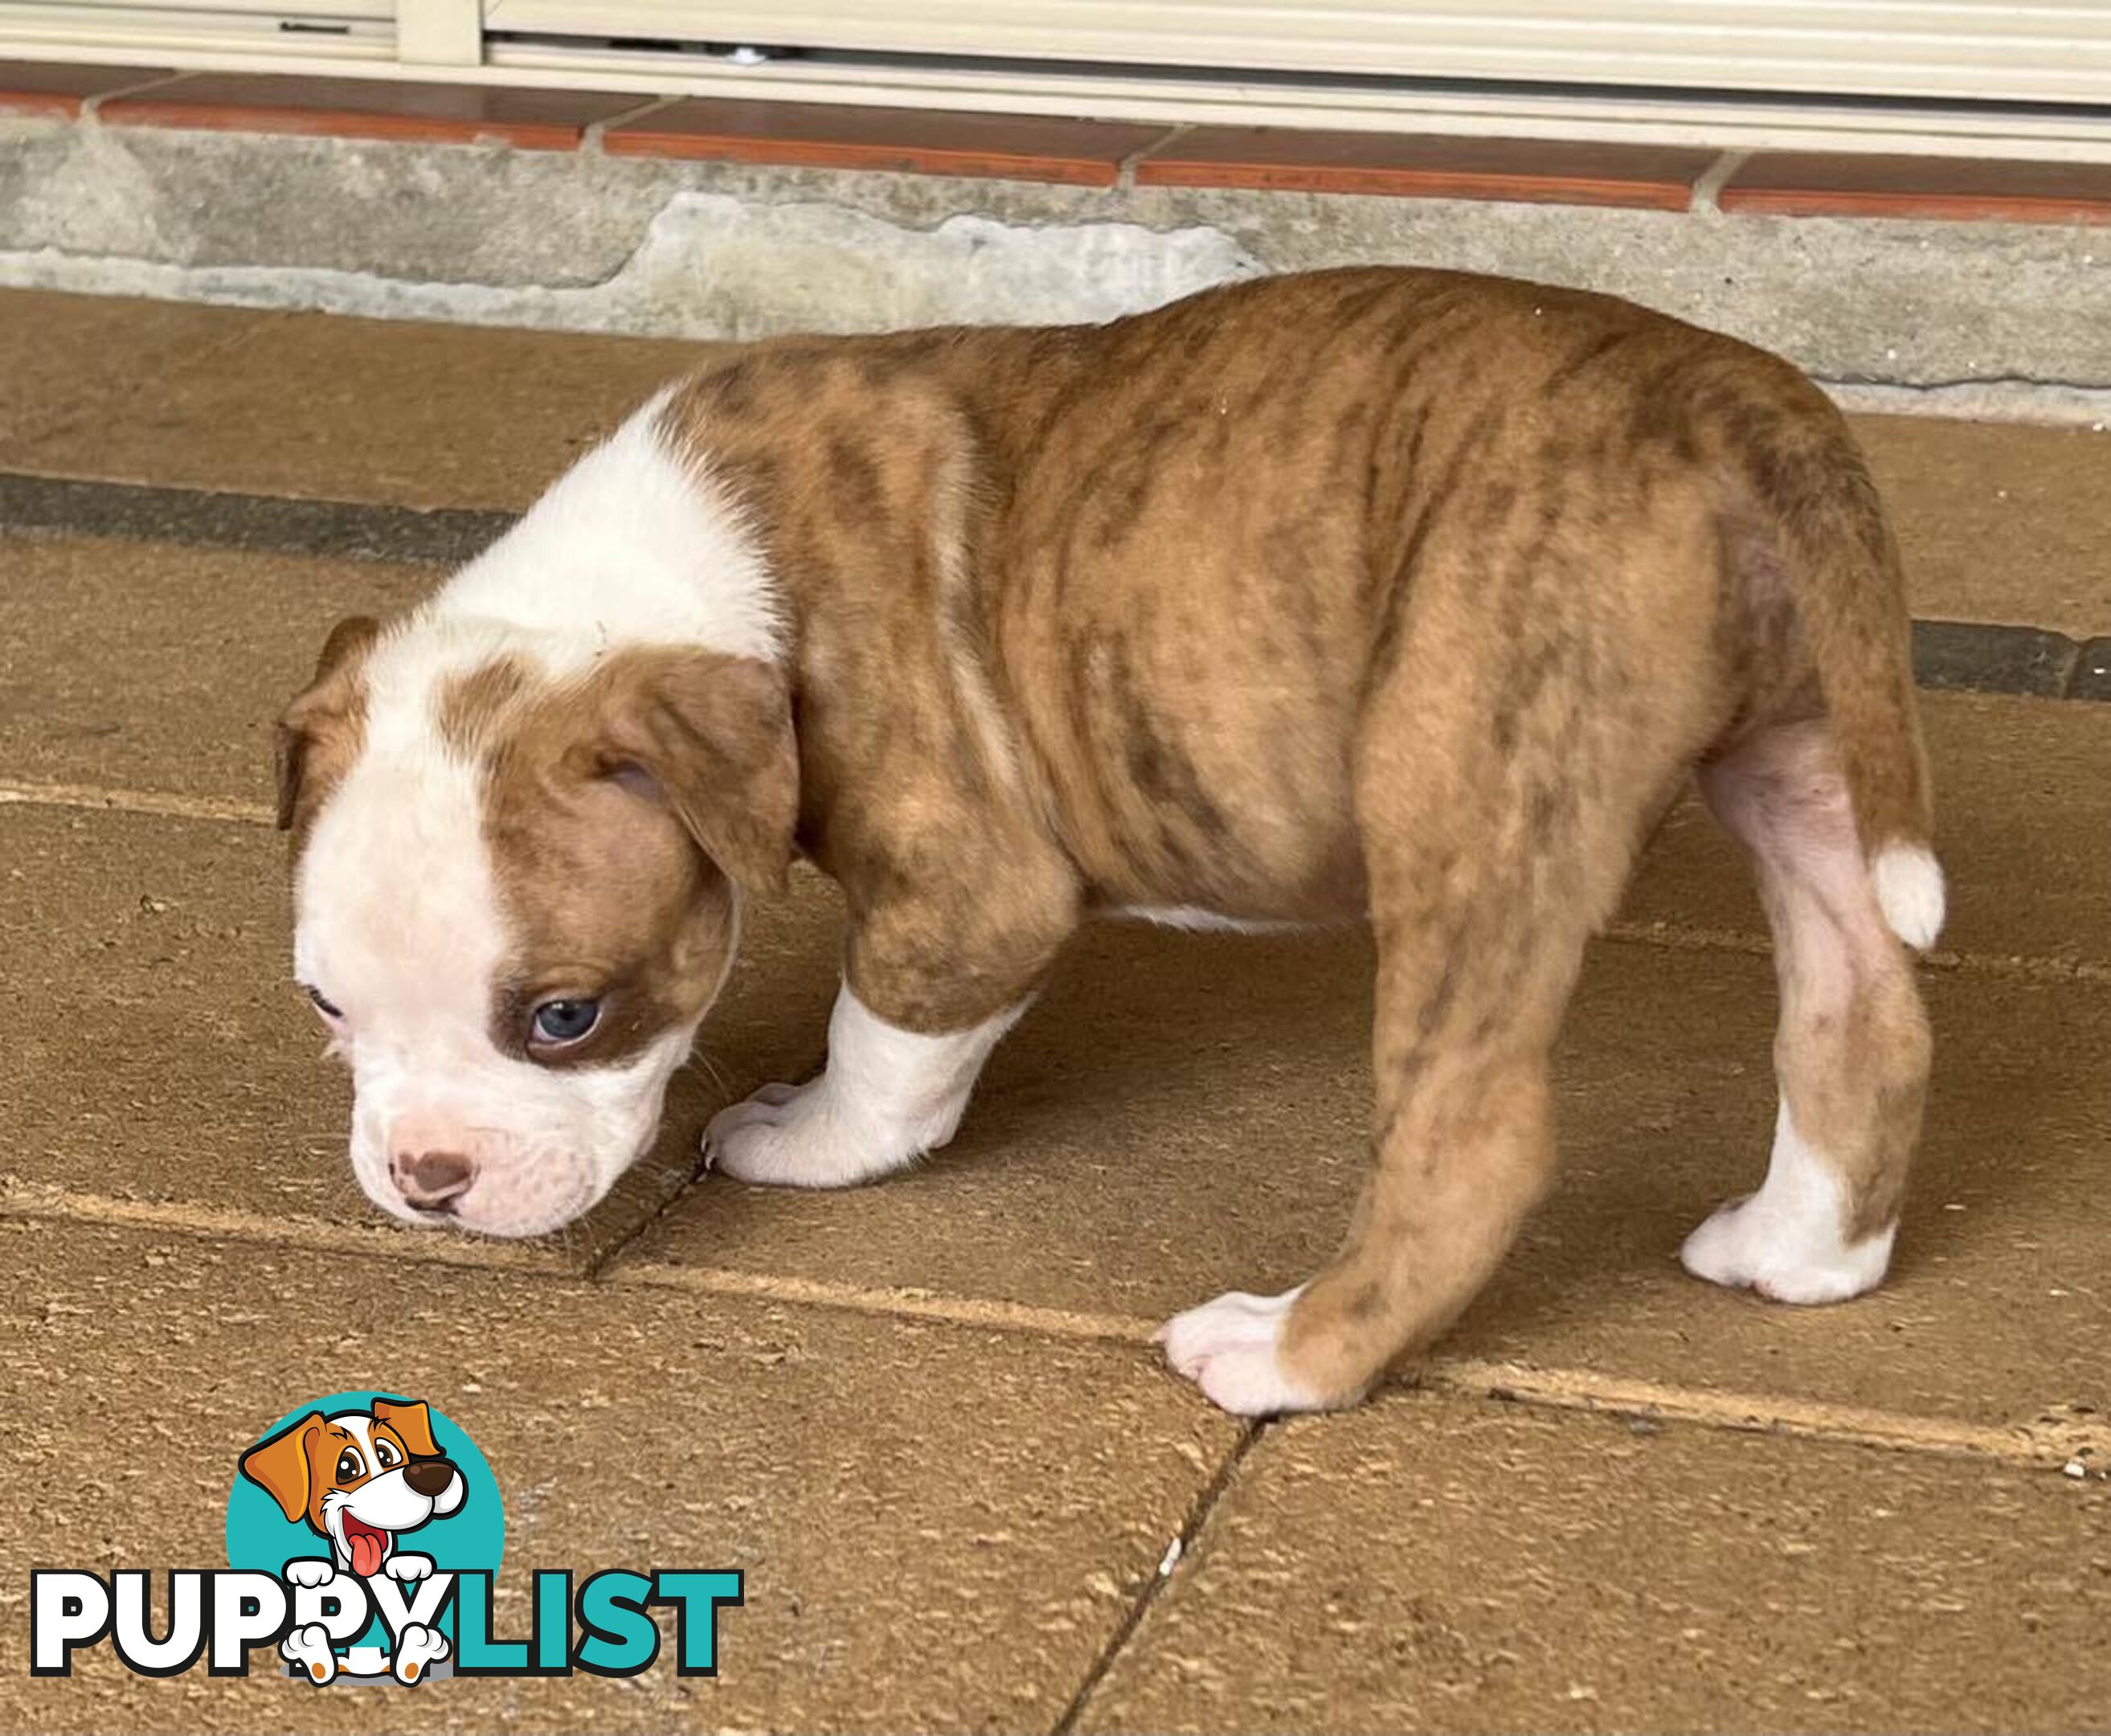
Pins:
<point x="1909" y="892"/>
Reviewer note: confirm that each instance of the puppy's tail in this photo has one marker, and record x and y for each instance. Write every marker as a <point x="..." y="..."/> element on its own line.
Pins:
<point x="1842" y="566"/>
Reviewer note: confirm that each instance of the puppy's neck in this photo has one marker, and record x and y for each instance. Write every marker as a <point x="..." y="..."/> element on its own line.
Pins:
<point x="637" y="544"/>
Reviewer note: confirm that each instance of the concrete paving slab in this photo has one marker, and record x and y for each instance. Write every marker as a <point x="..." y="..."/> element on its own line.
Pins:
<point x="2022" y="807"/>
<point x="147" y="667"/>
<point x="1428" y="1564"/>
<point x="371" y="409"/>
<point x="161" y="1062"/>
<point x="940" y="1529"/>
<point x="74" y="359"/>
<point x="1998" y="522"/>
<point x="1182" y="1114"/>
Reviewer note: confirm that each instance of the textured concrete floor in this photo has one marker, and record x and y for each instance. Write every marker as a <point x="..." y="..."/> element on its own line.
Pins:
<point x="924" y="1418"/>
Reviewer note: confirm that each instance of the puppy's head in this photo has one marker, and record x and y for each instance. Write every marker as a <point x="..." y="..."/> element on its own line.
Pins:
<point x="518" y="874"/>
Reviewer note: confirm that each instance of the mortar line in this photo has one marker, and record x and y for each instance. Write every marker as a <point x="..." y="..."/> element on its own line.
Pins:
<point x="318" y="1235"/>
<point x="1125" y="169"/>
<point x="2025" y="1445"/>
<point x="1708" y="188"/>
<point x="55" y="508"/>
<point x="1567" y="1390"/>
<point x="904" y="1301"/>
<point x="91" y="107"/>
<point x="1675" y="937"/>
<point x="226" y="810"/>
<point x="590" y="140"/>
<point x="1198" y="1517"/>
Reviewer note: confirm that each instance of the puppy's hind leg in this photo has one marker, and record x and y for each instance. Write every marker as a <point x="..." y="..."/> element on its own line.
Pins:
<point x="1470" y="990"/>
<point x="1495" y="844"/>
<point x="1852" y="1052"/>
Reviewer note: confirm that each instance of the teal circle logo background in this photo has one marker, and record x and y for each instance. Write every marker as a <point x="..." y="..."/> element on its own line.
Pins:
<point x="261" y="1538"/>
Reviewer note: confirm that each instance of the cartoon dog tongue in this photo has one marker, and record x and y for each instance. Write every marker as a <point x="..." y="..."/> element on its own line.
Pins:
<point x="368" y="1547"/>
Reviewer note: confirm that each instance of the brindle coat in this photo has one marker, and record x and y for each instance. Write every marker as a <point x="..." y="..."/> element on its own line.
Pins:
<point x="1398" y="593"/>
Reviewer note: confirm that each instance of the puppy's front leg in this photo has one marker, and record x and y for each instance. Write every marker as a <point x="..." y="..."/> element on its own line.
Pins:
<point x="945" y="948"/>
<point x="888" y="1095"/>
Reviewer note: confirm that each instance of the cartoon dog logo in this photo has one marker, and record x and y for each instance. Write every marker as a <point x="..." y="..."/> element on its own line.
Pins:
<point x="360" y="1480"/>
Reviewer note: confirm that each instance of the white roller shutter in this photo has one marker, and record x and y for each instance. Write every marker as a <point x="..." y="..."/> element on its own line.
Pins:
<point x="1964" y="50"/>
<point x="238" y="29"/>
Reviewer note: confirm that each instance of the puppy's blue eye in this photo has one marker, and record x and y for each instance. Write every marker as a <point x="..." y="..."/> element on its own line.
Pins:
<point x="566" y="1021"/>
<point x="322" y="1006"/>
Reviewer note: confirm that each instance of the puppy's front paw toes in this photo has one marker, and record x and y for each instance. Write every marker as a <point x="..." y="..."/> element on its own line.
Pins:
<point x="1231" y="1349"/>
<point x="310" y="1571"/>
<point x="791" y="1136"/>
<point x="409" y="1567"/>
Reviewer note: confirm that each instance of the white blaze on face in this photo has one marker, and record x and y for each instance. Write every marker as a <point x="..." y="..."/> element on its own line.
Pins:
<point x="400" y="920"/>
<point x="400" y="927"/>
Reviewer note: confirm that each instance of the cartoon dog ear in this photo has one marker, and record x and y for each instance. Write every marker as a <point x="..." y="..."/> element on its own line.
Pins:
<point x="411" y="1419"/>
<point x="279" y="1465"/>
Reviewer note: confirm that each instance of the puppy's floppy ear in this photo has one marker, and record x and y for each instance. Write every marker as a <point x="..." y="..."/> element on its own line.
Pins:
<point x="279" y="1465"/>
<point x="411" y="1419"/>
<point x="711" y="736"/>
<point x="315" y="732"/>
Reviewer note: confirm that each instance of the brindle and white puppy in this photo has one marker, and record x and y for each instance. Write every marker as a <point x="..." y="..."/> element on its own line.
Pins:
<point x="1395" y="593"/>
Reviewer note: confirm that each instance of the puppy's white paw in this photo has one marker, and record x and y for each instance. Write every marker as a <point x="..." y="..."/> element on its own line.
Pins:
<point x="1747" y="1245"/>
<point x="888" y="1096"/>
<point x="408" y="1568"/>
<point x="418" y="1648"/>
<point x="1229" y="1347"/>
<point x="801" y="1136"/>
<point x="1785" y="1241"/>
<point x="310" y="1571"/>
<point x="308" y="1650"/>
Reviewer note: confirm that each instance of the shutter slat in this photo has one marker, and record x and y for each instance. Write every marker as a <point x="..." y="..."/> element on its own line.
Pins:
<point x="1964" y="50"/>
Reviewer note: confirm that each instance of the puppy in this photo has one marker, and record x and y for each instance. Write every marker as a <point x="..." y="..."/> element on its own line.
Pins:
<point x="1406" y="595"/>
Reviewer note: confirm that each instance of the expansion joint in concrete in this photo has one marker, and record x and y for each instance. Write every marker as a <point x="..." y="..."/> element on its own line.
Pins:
<point x="1154" y="1587"/>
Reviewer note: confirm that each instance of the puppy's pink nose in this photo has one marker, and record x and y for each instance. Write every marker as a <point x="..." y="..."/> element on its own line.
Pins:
<point x="432" y="1181"/>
